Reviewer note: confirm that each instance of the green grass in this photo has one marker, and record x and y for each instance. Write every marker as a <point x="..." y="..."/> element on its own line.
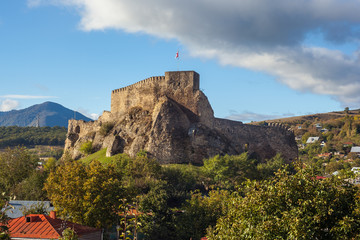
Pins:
<point x="101" y="157"/>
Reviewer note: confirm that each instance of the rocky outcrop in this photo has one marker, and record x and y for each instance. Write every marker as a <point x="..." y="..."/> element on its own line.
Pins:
<point x="172" y="132"/>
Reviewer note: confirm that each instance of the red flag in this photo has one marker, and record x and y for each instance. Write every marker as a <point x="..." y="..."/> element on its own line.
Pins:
<point x="177" y="55"/>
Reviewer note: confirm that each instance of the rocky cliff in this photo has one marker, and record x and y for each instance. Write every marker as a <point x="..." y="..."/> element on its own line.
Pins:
<point x="175" y="127"/>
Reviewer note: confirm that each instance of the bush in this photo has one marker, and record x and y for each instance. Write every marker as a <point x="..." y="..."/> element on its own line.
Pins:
<point x="106" y="128"/>
<point x="86" y="147"/>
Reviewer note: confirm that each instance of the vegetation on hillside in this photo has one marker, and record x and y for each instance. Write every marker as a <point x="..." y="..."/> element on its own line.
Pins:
<point x="229" y="197"/>
<point x="27" y="136"/>
<point x="331" y="152"/>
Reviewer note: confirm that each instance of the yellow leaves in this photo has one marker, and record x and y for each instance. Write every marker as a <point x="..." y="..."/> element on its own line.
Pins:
<point x="87" y="193"/>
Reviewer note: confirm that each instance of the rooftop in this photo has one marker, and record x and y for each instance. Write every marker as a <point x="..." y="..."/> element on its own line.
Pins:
<point x="42" y="226"/>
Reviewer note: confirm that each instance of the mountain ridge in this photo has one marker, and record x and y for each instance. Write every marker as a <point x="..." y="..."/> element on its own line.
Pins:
<point x="47" y="114"/>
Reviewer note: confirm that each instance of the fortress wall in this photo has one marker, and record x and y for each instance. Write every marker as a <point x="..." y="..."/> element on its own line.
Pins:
<point x="144" y="93"/>
<point x="180" y="86"/>
<point x="266" y="141"/>
<point x="183" y="87"/>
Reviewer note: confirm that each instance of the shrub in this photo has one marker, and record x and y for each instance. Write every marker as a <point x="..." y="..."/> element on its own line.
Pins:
<point x="106" y="128"/>
<point x="86" y="147"/>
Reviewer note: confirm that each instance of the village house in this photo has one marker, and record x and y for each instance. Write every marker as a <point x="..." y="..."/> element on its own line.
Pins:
<point x="40" y="226"/>
<point x="355" y="150"/>
<point x="312" y="139"/>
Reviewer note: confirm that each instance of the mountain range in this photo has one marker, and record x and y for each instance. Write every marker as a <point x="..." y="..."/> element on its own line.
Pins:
<point x="47" y="114"/>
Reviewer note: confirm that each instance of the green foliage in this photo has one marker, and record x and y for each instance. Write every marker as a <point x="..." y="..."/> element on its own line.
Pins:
<point x="228" y="171"/>
<point x="346" y="110"/>
<point x="69" y="234"/>
<point x="88" y="194"/>
<point x="50" y="164"/>
<point x="26" y="136"/>
<point x="160" y="223"/>
<point x="200" y="212"/>
<point x="38" y="208"/>
<point x="269" y="168"/>
<point x="31" y="188"/>
<point x="291" y="207"/>
<point x="15" y="166"/>
<point x="86" y="148"/>
<point x="106" y="128"/>
<point x="181" y="180"/>
<point x="4" y="230"/>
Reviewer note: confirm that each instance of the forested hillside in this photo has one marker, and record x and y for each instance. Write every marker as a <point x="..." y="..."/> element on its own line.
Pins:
<point x="28" y="136"/>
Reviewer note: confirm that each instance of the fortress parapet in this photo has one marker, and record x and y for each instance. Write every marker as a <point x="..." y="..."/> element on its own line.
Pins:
<point x="140" y="83"/>
<point x="180" y="86"/>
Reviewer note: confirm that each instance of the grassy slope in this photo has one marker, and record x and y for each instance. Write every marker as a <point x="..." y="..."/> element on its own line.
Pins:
<point x="312" y="117"/>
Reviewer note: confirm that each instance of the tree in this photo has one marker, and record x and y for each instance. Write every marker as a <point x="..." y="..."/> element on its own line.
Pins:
<point x="291" y="207"/>
<point x="228" y="171"/>
<point x="200" y="212"/>
<point x="31" y="188"/>
<point x="15" y="165"/>
<point x="69" y="234"/>
<point x="346" y="110"/>
<point x="157" y="222"/>
<point x="38" y="208"/>
<point x="4" y="230"/>
<point x="87" y="194"/>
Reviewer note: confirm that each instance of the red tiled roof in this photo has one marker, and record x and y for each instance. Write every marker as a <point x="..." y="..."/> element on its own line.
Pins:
<point x="43" y="226"/>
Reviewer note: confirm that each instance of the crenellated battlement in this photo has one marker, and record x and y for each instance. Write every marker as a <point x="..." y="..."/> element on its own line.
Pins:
<point x="181" y="86"/>
<point x="280" y="126"/>
<point x="140" y="83"/>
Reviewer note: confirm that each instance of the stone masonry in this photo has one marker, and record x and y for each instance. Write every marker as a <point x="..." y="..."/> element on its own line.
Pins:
<point x="171" y="118"/>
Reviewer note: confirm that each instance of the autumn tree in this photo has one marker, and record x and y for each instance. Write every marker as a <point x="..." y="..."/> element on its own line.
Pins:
<point x="87" y="194"/>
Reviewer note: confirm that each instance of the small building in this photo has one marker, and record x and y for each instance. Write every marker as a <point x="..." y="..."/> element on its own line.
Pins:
<point x="298" y="138"/>
<point x="355" y="169"/>
<point x="40" y="226"/>
<point x="347" y="144"/>
<point x="318" y="126"/>
<point x="312" y="139"/>
<point x="324" y="130"/>
<point x="355" y="150"/>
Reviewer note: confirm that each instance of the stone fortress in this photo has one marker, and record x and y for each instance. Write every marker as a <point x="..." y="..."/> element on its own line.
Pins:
<point x="171" y="118"/>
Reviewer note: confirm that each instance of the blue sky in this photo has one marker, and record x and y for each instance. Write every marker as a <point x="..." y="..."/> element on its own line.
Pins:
<point x="256" y="59"/>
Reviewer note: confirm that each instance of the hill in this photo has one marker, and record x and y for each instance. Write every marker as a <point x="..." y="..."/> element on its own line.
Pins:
<point x="47" y="114"/>
<point x="320" y="117"/>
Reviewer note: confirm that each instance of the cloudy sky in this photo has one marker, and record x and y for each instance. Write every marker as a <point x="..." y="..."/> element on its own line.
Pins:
<point x="257" y="59"/>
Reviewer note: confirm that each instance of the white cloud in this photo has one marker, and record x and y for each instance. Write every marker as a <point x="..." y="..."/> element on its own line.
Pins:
<point x="8" y="104"/>
<point x="261" y="35"/>
<point x="25" y="96"/>
<point x="94" y="116"/>
<point x="85" y="112"/>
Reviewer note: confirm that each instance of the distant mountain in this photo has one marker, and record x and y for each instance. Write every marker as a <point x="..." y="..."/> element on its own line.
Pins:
<point x="48" y="114"/>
